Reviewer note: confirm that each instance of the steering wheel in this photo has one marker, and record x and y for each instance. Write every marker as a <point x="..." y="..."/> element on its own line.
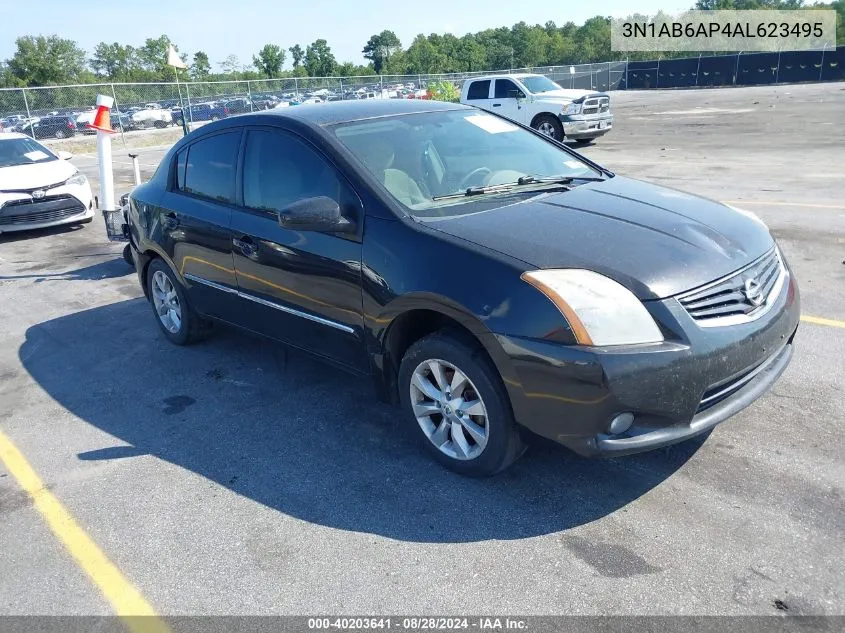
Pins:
<point x="466" y="180"/>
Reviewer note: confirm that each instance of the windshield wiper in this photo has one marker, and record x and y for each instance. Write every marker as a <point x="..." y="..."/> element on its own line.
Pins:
<point x="522" y="181"/>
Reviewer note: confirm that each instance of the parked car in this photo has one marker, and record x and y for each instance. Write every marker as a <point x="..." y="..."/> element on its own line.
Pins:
<point x="62" y="126"/>
<point x="519" y="285"/>
<point x="239" y="105"/>
<point x="39" y="187"/>
<point x="151" y="117"/>
<point x="535" y="100"/>
<point x="122" y="121"/>
<point x="202" y="112"/>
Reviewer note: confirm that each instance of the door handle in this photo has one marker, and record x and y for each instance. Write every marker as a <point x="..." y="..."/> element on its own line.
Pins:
<point x="170" y="221"/>
<point x="496" y="105"/>
<point x="246" y="246"/>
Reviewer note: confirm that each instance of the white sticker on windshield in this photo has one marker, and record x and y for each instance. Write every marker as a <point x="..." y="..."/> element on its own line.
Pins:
<point x="36" y="155"/>
<point x="491" y="124"/>
<point x="573" y="164"/>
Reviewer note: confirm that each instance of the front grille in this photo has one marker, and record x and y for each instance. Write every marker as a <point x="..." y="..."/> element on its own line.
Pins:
<point x="724" y="390"/>
<point x="31" y="189"/>
<point x="595" y="105"/>
<point x="48" y="209"/>
<point x="740" y="296"/>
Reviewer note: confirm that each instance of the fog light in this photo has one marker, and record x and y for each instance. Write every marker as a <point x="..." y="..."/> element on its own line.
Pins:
<point x="621" y="423"/>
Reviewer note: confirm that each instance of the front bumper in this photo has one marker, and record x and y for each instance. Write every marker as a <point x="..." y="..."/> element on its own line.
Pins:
<point x="676" y="390"/>
<point x="65" y="204"/>
<point x="579" y="126"/>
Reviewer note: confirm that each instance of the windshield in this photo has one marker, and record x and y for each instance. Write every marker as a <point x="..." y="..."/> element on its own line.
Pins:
<point x="23" y="151"/>
<point x="538" y="83"/>
<point x="427" y="161"/>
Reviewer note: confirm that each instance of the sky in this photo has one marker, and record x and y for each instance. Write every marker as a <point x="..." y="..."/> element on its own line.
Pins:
<point x="242" y="27"/>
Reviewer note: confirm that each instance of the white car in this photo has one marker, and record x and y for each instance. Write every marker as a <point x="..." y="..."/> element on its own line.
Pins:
<point x="151" y="116"/>
<point x="537" y="101"/>
<point x="39" y="187"/>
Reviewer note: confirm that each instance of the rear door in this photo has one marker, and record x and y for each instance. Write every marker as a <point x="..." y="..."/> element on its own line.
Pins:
<point x="301" y="287"/>
<point x="194" y="218"/>
<point x="505" y="102"/>
<point x="478" y="94"/>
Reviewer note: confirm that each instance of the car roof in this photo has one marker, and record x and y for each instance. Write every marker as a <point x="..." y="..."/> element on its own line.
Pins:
<point x="9" y="136"/>
<point x="504" y="76"/>
<point x="345" y="111"/>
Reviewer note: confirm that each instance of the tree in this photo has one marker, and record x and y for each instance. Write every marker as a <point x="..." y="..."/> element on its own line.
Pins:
<point x="153" y="56"/>
<point x="114" y="60"/>
<point x="40" y="60"/>
<point x="230" y="65"/>
<point x="201" y="67"/>
<point x="297" y="54"/>
<point x="269" y="60"/>
<point x="319" y="59"/>
<point x="422" y="57"/>
<point x="380" y="47"/>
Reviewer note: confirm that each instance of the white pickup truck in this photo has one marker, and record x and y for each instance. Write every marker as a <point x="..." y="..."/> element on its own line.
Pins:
<point x="535" y="100"/>
<point x="152" y="115"/>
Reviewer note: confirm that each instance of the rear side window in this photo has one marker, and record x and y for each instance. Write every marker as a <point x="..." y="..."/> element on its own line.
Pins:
<point x="211" y="165"/>
<point x="479" y="90"/>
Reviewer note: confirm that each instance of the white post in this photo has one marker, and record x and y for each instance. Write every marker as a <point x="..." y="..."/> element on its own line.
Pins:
<point x="105" y="159"/>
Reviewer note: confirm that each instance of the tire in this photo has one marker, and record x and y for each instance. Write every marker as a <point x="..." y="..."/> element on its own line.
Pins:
<point x="191" y="327"/>
<point x="214" y="117"/>
<point x="128" y="257"/>
<point x="502" y="443"/>
<point x="583" y="142"/>
<point x="60" y="133"/>
<point x="86" y="221"/>
<point x="160" y="124"/>
<point x="549" y="125"/>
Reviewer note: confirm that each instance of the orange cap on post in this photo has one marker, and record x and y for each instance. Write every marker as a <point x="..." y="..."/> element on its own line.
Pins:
<point x="102" y="120"/>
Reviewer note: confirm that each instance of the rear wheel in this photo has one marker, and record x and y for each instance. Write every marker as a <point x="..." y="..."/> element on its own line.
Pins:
<point x="60" y="133"/>
<point x="177" y="320"/>
<point x="456" y="400"/>
<point x="160" y="124"/>
<point x="549" y="126"/>
<point x="128" y="257"/>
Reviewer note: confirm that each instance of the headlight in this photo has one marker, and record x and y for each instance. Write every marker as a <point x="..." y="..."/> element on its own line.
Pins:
<point x="572" y="108"/>
<point x="599" y="310"/>
<point x="77" y="179"/>
<point x="748" y="214"/>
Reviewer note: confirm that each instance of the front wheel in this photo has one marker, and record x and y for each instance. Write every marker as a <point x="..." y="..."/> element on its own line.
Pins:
<point x="177" y="320"/>
<point x="549" y="125"/>
<point x="455" y="398"/>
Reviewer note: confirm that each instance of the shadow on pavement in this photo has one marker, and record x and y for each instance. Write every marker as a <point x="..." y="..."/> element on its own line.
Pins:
<point x="305" y="439"/>
<point x="109" y="269"/>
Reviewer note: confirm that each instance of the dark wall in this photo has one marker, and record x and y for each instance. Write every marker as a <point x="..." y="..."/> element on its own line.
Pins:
<point x="750" y="69"/>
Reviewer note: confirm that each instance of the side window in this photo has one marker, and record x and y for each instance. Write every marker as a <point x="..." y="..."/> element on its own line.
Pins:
<point x="279" y="169"/>
<point x="181" y="160"/>
<point x="210" y="167"/>
<point x="479" y="90"/>
<point x="505" y="88"/>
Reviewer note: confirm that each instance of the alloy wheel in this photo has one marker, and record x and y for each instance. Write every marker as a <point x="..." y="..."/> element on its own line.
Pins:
<point x="449" y="409"/>
<point x="166" y="302"/>
<point x="546" y="128"/>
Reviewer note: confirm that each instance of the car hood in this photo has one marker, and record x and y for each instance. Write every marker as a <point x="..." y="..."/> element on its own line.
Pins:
<point x="564" y="95"/>
<point x="656" y="241"/>
<point x="35" y="175"/>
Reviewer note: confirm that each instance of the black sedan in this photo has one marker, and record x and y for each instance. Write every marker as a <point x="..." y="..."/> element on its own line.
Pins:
<point x="488" y="279"/>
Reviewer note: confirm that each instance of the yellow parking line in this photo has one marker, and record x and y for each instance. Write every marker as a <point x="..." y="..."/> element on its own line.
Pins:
<point x="787" y="204"/>
<point x="124" y="598"/>
<point x="821" y="321"/>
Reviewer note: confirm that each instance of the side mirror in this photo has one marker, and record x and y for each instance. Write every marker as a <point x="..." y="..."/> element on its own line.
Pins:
<point x="63" y="155"/>
<point x="315" y="214"/>
<point x="516" y="94"/>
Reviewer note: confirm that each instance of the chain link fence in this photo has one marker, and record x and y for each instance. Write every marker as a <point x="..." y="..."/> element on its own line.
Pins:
<point x="62" y="111"/>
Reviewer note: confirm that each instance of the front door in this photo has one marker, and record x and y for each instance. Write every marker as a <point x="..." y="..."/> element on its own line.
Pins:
<point x="507" y="103"/>
<point x="301" y="287"/>
<point x="194" y="217"/>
